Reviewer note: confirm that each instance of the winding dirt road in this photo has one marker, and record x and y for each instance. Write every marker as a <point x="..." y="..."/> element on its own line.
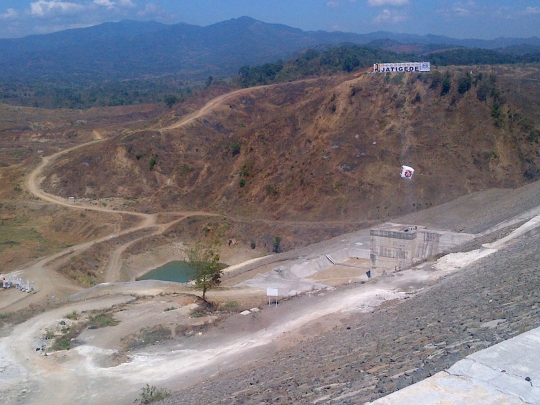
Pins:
<point x="79" y="376"/>
<point x="50" y="283"/>
<point x="212" y="104"/>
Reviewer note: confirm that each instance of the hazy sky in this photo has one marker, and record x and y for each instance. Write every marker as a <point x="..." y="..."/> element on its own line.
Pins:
<point x="486" y="19"/>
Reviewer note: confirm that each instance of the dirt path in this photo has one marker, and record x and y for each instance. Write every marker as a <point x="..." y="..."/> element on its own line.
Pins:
<point x="85" y="380"/>
<point x="209" y="107"/>
<point x="74" y="376"/>
<point x="79" y="375"/>
<point x="42" y="277"/>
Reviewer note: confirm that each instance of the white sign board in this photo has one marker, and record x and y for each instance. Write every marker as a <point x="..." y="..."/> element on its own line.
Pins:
<point x="407" y="172"/>
<point x="401" y="67"/>
<point x="272" y="292"/>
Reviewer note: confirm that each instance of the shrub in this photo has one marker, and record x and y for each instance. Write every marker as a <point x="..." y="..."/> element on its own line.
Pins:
<point x="185" y="169"/>
<point x="170" y="100"/>
<point x="102" y="321"/>
<point x="445" y="86"/>
<point x="197" y="313"/>
<point x="483" y="91"/>
<point x="147" y="336"/>
<point x="151" y="394"/>
<point x="277" y="244"/>
<point x="230" y="305"/>
<point x="245" y="171"/>
<point x="464" y="84"/>
<point x="235" y="148"/>
<point x="153" y="161"/>
<point x="62" y="343"/>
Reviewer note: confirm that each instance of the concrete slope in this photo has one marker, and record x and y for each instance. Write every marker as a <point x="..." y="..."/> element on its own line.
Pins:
<point x="507" y="373"/>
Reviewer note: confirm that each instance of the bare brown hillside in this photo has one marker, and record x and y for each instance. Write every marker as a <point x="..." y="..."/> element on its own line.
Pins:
<point x="328" y="149"/>
<point x="30" y="228"/>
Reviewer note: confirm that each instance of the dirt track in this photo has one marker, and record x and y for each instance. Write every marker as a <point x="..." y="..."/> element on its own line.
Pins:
<point x="366" y="356"/>
<point x="81" y="376"/>
<point x="50" y="284"/>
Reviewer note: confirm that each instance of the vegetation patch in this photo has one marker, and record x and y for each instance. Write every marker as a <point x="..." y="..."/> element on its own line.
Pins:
<point x="19" y="231"/>
<point x="234" y="148"/>
<point x="185" y="170"/>
<point x="17" y="317"/>
<point x="151" y="394"/>
<point x="146" y="336"/>
<point x="65" y="342"/>
<point x="102" y="320"/>
<point x="71" y="332"/>
<point x="230" y="305"/>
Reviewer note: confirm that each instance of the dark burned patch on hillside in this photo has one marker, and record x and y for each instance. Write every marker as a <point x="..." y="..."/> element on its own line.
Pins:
<point x="463" y="132"/>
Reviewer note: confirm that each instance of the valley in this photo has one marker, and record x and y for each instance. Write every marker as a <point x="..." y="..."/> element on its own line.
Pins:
<point x="319" y="160"/>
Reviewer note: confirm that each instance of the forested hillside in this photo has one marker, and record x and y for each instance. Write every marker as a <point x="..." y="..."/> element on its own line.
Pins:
<point x="146" y="62"/>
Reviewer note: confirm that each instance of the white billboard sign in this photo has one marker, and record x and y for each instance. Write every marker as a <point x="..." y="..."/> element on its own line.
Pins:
<point x="272" y="292"/>
<point x="401" y="67"/>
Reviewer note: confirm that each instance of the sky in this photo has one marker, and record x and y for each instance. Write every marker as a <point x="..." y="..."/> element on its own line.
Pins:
<point x="481" y="19"/>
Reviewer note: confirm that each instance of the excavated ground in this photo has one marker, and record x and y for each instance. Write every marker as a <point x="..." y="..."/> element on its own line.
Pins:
<point x="371" y="355"/>
<point x="367" y="356"/>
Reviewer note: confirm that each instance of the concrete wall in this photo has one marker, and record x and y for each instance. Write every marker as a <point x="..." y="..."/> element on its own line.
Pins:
<point x="395" y="246"/>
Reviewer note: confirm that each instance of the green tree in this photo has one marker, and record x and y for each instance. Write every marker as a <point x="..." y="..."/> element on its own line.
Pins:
<point x="205" y="263"/>
<point x="446" y="86"/>
<point x="464" y="84"/>
<point x="277" y="244"/>
<point x="153" y="161"/>
<point x="171" y="100"/>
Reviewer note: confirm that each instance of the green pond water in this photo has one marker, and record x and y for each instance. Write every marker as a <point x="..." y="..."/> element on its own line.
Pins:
<point x="177" y="271"/>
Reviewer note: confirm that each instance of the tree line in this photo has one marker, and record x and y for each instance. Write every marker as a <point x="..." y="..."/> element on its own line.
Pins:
<point x="57" y="94"/>
<point x="345" y="59"/>
<point x="169" y="90"/>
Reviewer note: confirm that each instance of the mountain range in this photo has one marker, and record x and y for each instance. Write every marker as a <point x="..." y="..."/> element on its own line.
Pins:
<point x="135" y="49"/>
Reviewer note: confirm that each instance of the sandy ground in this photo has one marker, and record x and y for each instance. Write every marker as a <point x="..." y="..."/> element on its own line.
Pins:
<point x="100" y="370"/>
<point x="84" y="374"/>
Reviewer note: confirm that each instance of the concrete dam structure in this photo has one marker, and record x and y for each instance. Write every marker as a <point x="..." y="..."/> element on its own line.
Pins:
<point x="396" y="246"/>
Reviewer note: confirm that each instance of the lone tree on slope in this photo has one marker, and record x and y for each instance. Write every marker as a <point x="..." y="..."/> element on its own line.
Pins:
<point x="205" y="262"/>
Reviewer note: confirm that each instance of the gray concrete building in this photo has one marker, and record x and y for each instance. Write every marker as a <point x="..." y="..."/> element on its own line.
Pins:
<point x="397" y="246"/>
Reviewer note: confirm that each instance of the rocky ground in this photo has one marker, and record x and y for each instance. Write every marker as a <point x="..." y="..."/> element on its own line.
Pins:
<point x="371" y="355"/>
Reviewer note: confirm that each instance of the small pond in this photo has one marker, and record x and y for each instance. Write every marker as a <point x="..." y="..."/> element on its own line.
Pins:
<point x="177" y="271"/>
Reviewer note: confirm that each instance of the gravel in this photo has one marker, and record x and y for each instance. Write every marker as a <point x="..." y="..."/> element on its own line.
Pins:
<point x="398" y="344"/>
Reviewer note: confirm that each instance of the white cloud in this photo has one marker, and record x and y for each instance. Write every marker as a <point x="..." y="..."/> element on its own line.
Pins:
<point x="44" y="7"/>
<point x="332" y="4"/>
<point x="126" y="3"/>
<point x="461" y="9"/>
<point x="10" y="13"/>
<point x="106" y="3"/>
<point x="150" y="8"/>
<point x="389" y="17"/>
<point x="461" y="12"/>
<point x="382" y="3"/>
<point x="532" y="10"/>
